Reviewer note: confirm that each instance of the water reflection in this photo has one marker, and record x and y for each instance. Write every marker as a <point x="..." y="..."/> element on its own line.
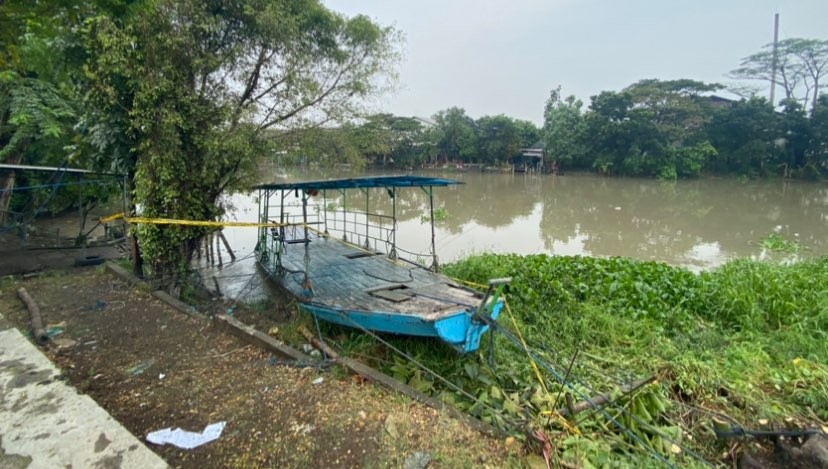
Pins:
<point x="698" y="224"/>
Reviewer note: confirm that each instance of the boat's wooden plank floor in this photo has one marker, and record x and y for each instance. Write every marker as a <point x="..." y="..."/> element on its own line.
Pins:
<point x="371" y="283"/>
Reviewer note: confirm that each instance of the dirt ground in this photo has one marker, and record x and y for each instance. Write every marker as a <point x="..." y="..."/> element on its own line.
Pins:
<point x="152" y="367"/>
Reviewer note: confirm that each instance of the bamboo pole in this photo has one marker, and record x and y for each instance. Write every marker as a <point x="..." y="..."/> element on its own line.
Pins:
<point x="601" y="399"/>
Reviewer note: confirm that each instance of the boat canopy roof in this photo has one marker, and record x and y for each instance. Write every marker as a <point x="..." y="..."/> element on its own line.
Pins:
<point x="362" y="182"/>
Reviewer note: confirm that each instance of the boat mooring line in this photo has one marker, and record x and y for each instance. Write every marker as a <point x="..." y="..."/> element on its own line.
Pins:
<point x="428" y="370"/>
<point x="564" y="381"/>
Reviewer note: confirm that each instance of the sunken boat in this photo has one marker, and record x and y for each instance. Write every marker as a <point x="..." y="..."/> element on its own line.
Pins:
<point x="343" y="265"/>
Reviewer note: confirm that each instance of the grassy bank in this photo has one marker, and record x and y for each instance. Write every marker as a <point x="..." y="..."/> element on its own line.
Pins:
<point x="742" y="345"/>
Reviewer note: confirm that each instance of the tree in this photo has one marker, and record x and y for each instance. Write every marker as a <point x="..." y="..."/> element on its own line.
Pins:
<point x="409" y="141"/>
<point x="456" y="135"/>
<point x="744" y="135"/>
<point x="528" y="133"/>
<point x="563" y="129"/>
<point x="326" y="147"/>
<point x="37" y="99"/>
<point x="677" y="108"/>
<point x="795" y="137"/>
<point x="800" y="66"/>
<point x="817" y="155"/>
<point x="201" y="83"/>
<point x="498" y="139"/>
<point x="650" y="128"/>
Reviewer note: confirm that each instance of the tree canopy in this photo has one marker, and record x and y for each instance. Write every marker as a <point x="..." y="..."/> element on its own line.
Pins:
<point x="182" y="95"/>
<point x="800" y="66"/>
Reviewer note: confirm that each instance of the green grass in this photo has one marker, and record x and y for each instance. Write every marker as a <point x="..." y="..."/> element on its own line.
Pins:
<point x="747" y="340"/>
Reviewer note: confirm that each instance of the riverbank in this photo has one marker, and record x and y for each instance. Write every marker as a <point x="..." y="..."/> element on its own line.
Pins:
<point x="152" y="367"/>
<point x="737" y="349"/>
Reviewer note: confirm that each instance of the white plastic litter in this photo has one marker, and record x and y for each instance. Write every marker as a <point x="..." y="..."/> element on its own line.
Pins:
<point x="185" y="439"/>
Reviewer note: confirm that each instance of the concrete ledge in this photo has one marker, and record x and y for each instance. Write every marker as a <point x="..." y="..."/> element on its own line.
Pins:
<point x="252" y="336"/>
<point x="45" y="423"/>
<point x="178" y="304"/>
<point x="127" y="276"/>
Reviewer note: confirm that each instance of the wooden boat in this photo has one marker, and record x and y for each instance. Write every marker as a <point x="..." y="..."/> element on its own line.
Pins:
<point x="345" y="267"/>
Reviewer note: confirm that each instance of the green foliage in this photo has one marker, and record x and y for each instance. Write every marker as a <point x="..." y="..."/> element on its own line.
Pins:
<point x="747" y="339"/>
<point x="564" y="130"/>
<point x="777" y="242"/>
<point x="440" y="215"/>
<point x="455" y="135"/>
<point x="744" y="135"/>
<point x="199" y="91"/>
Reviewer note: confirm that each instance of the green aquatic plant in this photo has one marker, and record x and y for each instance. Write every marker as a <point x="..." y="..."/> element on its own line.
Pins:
<point x="777" y="242"/>
<point x="747" y="339"/>
<point x="440" y="215"/>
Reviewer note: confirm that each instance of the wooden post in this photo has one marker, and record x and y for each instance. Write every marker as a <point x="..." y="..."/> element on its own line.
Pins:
<point x="218" y="289"/>
<point x="226" y="245"/>
<point x="210" y="256"/>
<point x="38" y="331"/>
<point x="218" y="250"/>
<point x="774" y="58"/>
<point x="570" y="405"/>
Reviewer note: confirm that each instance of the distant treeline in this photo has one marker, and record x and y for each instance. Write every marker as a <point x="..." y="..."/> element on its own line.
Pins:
<point x="666" y="129"/>
<point x="450" y="136"/>
<point x="678" y="128"/>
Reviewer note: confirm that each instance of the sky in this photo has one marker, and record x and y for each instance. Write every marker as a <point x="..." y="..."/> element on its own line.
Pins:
<point x="503" y="57"/>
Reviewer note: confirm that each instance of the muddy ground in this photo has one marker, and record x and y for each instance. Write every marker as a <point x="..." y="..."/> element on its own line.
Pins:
<point x="152" y="367"/>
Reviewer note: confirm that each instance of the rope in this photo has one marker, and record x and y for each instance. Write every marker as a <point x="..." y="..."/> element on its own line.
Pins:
<point x="658" y="456"/>
<point x="428" y="370"/>
<point x="553" y="413"/>
<point x="519" y="341"/>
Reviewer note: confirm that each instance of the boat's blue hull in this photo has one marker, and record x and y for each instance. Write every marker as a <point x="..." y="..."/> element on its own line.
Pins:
<point x="460" y="330"/>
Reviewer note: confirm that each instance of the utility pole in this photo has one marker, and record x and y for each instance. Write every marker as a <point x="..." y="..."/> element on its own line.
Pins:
<point x="775" y="55"/>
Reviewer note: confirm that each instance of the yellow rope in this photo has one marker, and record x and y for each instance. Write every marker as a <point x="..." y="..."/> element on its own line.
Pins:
<point x="525" y="347"/>
<point x="553" y="412"/>
<point x="471" y="284"/>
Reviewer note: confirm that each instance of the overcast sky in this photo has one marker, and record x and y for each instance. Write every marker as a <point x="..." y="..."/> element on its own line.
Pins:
<point x="500" y="56"/>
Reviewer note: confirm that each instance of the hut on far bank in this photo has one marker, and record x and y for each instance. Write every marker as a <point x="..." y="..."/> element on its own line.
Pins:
<point x="530" y="159"/>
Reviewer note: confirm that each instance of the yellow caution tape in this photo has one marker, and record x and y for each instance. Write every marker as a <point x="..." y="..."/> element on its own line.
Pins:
<point x="173" y="221"/>
<point x="112" y="218"/>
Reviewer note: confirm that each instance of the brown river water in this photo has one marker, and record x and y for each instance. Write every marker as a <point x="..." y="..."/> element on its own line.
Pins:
<point x="698" y="224"/>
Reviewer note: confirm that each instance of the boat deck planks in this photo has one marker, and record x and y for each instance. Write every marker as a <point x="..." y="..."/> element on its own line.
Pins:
<point x="341" y="276"/>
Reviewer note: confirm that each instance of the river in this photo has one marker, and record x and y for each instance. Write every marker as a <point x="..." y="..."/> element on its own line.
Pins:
<point x="697" y="224"/>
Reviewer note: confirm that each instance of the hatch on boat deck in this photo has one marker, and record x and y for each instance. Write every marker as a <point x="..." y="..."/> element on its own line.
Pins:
<point x="396" y="293"/>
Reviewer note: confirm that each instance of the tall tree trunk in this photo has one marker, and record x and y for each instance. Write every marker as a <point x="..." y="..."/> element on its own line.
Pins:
<point x="132" y="237"/>
<point x="6" y="186"/>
